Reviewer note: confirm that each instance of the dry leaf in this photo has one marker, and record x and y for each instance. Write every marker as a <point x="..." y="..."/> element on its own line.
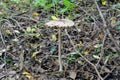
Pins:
<point x="104" y="2"/>
<point x="80" y="62"/>
<point x="79" y="30"/>
<point x="86" y="53"/>
<point x="27" y="74"/>
<point x="8" y="31"/>
<point x="54" y="18"/>
<point x="72" y="74"/>
<point x="113" y="20"/>
<point x="106" y="70"/>
<point x="78" y="45"/>
<point x="16" y="31"/>
<point x="96" y="56"/>
<point x="2" y="65"/>
<point x="34" y="53"/>
<point x="35" y="14"/>
<point x="98" y="45"/>
<point x="36" y="18"/>
<point x="101" y="36"/>
<point x="15" y="40"/>
<point x="54" y="38"/>
<point x="37" y="35"/>
<point x="1" y="51"/>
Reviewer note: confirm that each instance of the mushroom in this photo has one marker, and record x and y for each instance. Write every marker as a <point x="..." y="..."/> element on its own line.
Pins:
<point x="60" y="24"/>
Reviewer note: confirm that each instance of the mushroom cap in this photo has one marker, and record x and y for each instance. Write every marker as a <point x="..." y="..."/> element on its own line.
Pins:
<point x="61" y="23"/>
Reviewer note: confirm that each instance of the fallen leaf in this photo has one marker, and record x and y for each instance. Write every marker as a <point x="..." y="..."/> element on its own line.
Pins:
<point x="35" y="14"/>
<point x="8" y="31"/>
<point x="113" y="20"/>
<point x="28" y="29"/>
<point x="54" y="18"/>
<point x="104" y="2"/>
<point x="98" y="45"/>
<point x="54" y="38"/>
<point x="79" y="30"/>
<point x="34" y="53"/>
<point x="86" y="53"/>
<point x="27" y="74"/>
<point x="101" y="36"/>
<point x="16" y="31"/>
<point x="106" y="70"/>
<point x="15" y="40"/>
<point x="36" y="18"/>
<point x="72" y="74"/>
<point x="72" y="53"/>
<point x="37" y="35"/>
<point x="1" y="51"/>
<point x="79" y="44"/>
<point x="2" y="65"/>
<point x="80" y="62"/>
<point x="39" y="60"/>
<point x="96" y="56"/>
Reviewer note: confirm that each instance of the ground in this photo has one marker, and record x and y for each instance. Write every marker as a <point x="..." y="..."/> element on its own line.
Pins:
<point x="90" y="49"/>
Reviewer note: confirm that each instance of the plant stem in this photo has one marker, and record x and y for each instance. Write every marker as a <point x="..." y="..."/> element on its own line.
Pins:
<point x="59" y="50"/>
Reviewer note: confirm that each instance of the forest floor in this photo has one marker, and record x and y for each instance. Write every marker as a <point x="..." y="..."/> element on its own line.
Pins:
<point x="29" y="50"/>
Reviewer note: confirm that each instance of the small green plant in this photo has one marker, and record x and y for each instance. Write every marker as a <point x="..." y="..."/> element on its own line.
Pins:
<point x="60" y="7"/>
<point x="38" y="3"/>
<point x="74" y="55"/>
<point x="9" y="60"/>
<point x="42" y="3"/>
<point x="68" y="6"/>
<point x="31" y="32"/>
<point x="16" y="1"/>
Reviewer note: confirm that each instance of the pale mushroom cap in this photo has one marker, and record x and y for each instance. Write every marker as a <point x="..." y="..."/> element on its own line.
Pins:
<point x="62" y="23"/>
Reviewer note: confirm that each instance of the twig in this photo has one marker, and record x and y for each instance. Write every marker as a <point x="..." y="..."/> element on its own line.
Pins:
<point x="102" y="50"/>
<point x="109" y="73"/>
<point x="29" y="18"/>
<point x="3" y="41"/>
<point x="21" y="60"/>
<point x="84" y="57"/>
<point x="17" y="23"/>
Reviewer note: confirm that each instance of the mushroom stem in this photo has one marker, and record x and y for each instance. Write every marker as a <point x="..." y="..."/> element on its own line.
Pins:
<point x="59" y="50"/>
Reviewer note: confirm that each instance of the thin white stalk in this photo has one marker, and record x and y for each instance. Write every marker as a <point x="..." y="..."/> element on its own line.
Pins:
<point x="59" y="50"/>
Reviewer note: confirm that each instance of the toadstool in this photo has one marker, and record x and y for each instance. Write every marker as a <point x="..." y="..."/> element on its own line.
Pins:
<point x="60" y="24"/>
